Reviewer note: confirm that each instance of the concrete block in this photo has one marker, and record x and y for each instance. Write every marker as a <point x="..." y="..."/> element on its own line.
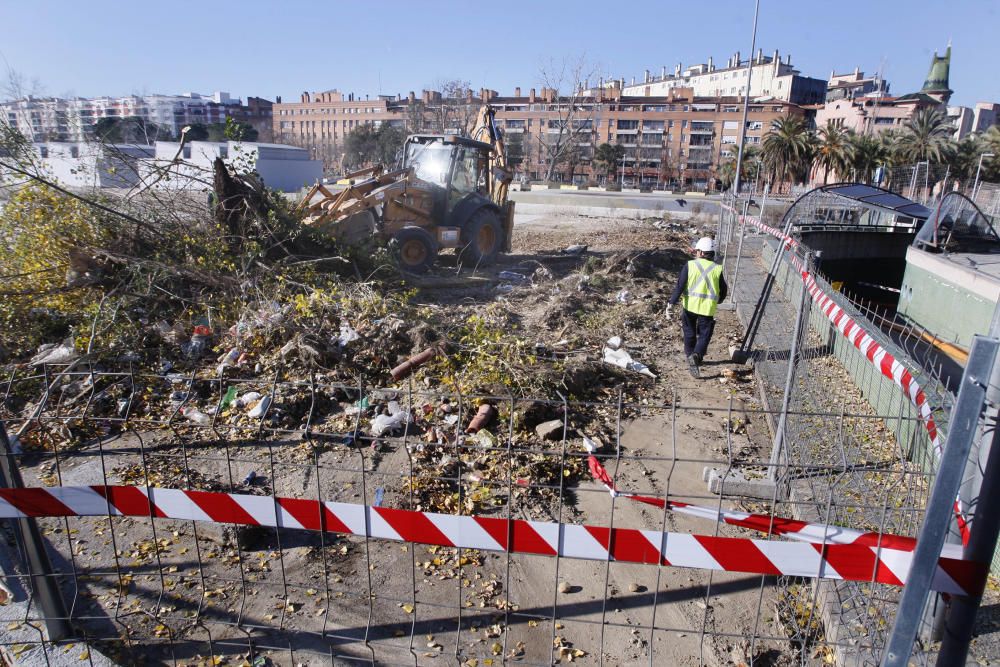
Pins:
<point x="734" y="483"/>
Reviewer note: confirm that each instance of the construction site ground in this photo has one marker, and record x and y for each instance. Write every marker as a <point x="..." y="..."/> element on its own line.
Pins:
<point x="196" y="589"/>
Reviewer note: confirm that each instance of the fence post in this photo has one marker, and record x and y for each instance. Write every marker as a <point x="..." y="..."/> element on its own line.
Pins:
<point x="44" y="587"/>
<point x="980" y="485"/>
<point x="940" y="506"/>
<point x="778" y="445"/>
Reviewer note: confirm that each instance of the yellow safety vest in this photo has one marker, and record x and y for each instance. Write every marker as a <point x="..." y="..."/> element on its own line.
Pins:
<point x="701" y="296"/>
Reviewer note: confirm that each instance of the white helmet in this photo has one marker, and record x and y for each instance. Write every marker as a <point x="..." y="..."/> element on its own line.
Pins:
<point x="705" y="244"/>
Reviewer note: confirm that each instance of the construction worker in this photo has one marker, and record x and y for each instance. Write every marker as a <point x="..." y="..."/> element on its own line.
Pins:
<point x="700" y="289"/>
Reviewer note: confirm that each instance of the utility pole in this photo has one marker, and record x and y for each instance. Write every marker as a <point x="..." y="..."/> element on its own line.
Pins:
<point x="746" y="100"/>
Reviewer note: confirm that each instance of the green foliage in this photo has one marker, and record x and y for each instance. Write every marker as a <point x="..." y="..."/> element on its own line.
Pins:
<point x="787" y="150"/>
<point x="834" y="151"/>
<point x="129" y="130"/>
<point x="367" y="145"/>
<point x="926" y="137"/>
<point x="607" y="157"/>
<point x="196" y="132"/>
<point x="515" y="149"/>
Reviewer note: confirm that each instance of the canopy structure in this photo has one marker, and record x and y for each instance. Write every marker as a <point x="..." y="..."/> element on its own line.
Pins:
<point x="957" y="225"/>
<point x="853" y="206"/>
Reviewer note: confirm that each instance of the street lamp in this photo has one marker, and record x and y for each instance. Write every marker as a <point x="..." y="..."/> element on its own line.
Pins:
<point x="975" y="183"/>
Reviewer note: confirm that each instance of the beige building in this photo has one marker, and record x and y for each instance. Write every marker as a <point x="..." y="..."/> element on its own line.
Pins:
<point x="677" y="139"/>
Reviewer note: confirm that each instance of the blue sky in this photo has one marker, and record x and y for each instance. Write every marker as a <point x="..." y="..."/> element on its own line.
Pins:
<point x="282" y="48"/>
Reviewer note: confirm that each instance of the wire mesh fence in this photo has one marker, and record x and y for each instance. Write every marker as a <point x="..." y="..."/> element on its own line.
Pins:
<point x="187" y="592"/>
<point x="852" y="610"/>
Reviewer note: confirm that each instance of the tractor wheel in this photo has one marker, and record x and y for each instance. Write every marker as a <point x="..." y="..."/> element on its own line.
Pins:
<point x="483" y="238"/>
<point x="415" y="249"/>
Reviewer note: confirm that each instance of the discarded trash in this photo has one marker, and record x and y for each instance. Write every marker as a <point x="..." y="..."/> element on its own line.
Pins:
<point x="5" y="594"/>
<point x="513" y="277"/>
<point x="484" y="438"/>
<point x="589" y="445"/>
<point x="247" y="399"/>
<point x="379" y="494"/>
<point x="619" y="357"/>
<point x="576" y="249"/>
<point x="228" y="398"/>
<point x="196" y="416"/>
<point x="624" y="296"/>
<point x="228" y="359"/>
<point x="388" y="424"/>
<point x="250" y="478"/>
<point x="261" y="407"/>
<point x="413" y="363"/>
<point x="55" y="353"/>
<point x="482" y="418"/>
<point x="178" y="397"/>
<point x="347" y="335"/>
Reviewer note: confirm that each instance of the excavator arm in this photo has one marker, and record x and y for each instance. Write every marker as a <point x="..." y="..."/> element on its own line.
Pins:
<point x="501" y="174"/>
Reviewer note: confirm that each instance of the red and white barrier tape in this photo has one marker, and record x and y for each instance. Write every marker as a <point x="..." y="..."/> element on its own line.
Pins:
<point x="804" y="531"/>
<point x="877" y="355"/>
<point x="852" y="562"/>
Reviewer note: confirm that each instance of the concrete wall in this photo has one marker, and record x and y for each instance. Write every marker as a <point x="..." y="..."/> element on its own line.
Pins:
<point x="952" y="301"/>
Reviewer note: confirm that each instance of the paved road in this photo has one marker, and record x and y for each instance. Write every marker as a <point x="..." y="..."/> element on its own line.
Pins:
<point x="655" y="201"/>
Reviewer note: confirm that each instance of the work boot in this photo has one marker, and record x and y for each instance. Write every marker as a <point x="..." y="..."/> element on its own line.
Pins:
<point x="693" y="365"/>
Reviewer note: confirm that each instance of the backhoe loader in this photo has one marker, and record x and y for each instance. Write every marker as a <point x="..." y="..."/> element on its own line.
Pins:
<point x="449" y="192"/>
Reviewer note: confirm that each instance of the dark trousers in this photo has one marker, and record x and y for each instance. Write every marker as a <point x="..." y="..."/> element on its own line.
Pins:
<point x="697" y="332"/>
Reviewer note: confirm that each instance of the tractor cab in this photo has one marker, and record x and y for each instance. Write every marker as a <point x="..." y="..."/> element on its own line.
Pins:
<point x="456" y="165"/>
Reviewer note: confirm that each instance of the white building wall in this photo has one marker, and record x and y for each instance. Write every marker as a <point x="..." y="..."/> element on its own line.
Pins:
<point x="88" y="165"/>
<point x="770" y="78"/>
<point x="281" y="167"/>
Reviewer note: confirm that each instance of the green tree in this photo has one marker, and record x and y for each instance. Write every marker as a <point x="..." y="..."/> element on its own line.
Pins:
<point x="834" y="151"/>
<point x="128" y="130"/>
<point x="515" y="149"/>
<point x="926" y="137"/>
<point x="232" y="130"/>
<point x="787" y="150"/>
<point x="748" y="171"/>
<point x="197" y="132"/>
<point x="867" y="154"/>
<point x="368" y="145"/>
<point x="990" y="143"/>
<point x="608" y="157"/>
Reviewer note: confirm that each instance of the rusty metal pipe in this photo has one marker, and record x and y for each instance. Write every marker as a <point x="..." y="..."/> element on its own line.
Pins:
<point x="406" y="368"/>
<point x="482" y="418"/>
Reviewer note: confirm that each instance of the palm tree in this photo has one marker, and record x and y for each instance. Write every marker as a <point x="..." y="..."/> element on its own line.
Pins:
<point x="834" y="150"/>
<point x="787" y="150"/>
<point x="867" y="154"/>
<point x="749" y="170"/>
<point x="926" y="137"/>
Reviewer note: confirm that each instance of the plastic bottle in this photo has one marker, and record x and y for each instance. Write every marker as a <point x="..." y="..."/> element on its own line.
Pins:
<point x="196" y="416"/>
<point x="228" y="399"/>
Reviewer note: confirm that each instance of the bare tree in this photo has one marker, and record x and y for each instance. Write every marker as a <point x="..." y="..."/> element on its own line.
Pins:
<point x="570" y="121"/>
<point x="456" y="111"/>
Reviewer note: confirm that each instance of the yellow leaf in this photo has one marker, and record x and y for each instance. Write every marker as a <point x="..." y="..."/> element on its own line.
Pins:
<point x="408" y="608"/>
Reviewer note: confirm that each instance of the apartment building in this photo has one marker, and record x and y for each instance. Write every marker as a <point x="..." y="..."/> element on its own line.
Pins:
<point x="771" y="77"/>
<point x="677" y="138"/>
<point x="853" y="85"/>
<point x="73" y="119"/>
